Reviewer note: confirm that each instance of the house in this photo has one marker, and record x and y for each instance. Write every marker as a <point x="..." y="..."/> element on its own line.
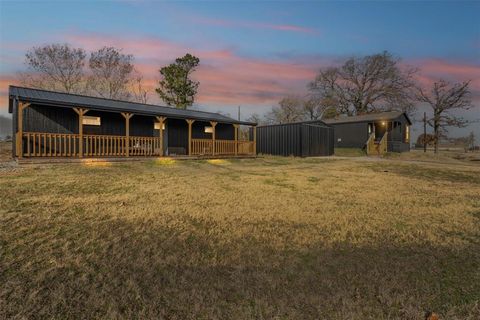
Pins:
<point x="55" y="124"/>
<point x="300" y="139"/>
<point x="377" y="132"/>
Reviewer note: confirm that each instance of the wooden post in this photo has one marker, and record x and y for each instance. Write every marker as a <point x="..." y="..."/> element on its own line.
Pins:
<point x="235" y="126"/>
<point x="161" y="120"/>
<point x="190" y="122"/>
<point x="80" y="113"/>
<point x="213" y="124"/>
<point x="127" y="117"/>
<point x="254" y="140"/>
<point x="19" y="140"/>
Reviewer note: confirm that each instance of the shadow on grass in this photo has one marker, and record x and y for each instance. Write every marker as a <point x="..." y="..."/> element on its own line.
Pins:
<point x="111" y="268"/>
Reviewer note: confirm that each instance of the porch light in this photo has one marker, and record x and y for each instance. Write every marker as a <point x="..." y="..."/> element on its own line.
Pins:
<point x="383" y="123"/>
<point x="157" y="126"/>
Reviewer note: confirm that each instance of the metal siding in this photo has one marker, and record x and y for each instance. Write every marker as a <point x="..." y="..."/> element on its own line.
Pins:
<point x="296" y="139"/>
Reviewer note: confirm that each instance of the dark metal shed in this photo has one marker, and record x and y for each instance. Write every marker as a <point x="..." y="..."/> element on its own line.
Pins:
<point x="301" y="139"/>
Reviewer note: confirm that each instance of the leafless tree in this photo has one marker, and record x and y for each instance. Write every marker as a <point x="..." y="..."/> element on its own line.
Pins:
<point x="289" y="109"/>
<point x="367" y="84"/>
<point x="111" y="73"/>
<point x="138" y="90"/>
<point x="444" y="98"/>
<point x="56" y="67"/>
<point x="316" y="108"/>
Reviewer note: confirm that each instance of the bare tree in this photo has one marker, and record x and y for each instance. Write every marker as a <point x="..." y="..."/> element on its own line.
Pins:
<point x="316" y="108"/>
<point x="444" y="98"/>
<point x="367" y="84"/>
<point x="289" y="109"/>
<point x="111" y="73"/>
<point x="56" y="67"/>
<point x="138" y="90"/>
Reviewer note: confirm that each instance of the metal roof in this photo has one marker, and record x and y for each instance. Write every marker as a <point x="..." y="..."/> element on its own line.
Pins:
<point x="391" y="115"/>
<point x="311" y="122"/>
<point x="75" y="100"/>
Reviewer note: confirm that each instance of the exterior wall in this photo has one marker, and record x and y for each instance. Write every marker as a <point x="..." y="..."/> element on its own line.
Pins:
<point x="296" y="139"/>
<point x="350" y="135"/>
<point x="49" y="119"/>
<point x="177" y="136"/>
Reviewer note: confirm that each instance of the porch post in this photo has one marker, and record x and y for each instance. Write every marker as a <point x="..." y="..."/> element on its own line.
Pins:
<point x="80" y="113"/>
<point x="213" y="124"/>
<point x="190" y="122"/>
<point x="255" y="140"/>
<point x="161" y="120"/>
<point x="19" y="140"/>
<point x="235" y="126"/>
<point x="127" y="117"/>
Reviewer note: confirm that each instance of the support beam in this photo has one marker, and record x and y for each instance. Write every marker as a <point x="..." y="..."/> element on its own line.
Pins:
<point x="213" y="124"/>
<point x="19" y="140"/>
<point x="80" y="112"/>
<point x="127" y="117"/>
<point x="235" y="127"/>
<point x="254" y="140"/>
<point x="190" y="122"/>
<point x="161" y="120"/>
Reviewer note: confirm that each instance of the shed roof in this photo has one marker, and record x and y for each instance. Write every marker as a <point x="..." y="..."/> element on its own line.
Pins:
<point x="75" y="100"/>
<point x="391" y="115"/>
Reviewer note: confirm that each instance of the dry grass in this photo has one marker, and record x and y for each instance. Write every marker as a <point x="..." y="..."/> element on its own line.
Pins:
<point x="272" y="238"/>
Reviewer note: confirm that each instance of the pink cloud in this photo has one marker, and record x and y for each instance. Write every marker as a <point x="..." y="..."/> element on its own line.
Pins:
<point x="254" y="25"/>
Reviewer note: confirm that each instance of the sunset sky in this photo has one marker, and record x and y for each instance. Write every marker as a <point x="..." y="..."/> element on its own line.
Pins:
<point x="251" y="54"/>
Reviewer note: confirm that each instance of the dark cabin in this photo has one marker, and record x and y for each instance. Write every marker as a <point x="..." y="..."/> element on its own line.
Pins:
<point x="55" y="124"/>
<point x="385" y="131"/>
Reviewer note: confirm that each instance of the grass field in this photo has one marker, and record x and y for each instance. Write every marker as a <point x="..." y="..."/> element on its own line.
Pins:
<point x="271" y="238"/>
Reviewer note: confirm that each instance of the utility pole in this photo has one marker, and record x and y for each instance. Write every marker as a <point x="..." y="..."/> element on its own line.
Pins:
<point x="424" y="132"/>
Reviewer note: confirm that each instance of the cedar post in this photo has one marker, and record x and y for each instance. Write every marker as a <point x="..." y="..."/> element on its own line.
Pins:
<point x="19" y="140"/>
<point x="127" y="117"/>
<point x="235" y="126"/>
<point x="190" y="122"/>
<point x="80" y="113"/>
<point x="255" y="140"/>
<point x="161" y="120"/>
<point x="213" y="124"/>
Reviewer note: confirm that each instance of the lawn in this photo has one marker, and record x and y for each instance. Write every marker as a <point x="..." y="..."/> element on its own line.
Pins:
<point x="269" y="238"/>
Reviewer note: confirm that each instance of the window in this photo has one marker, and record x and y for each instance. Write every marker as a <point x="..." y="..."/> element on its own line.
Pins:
<point x="208" y="130"/>
<point x="157" y="126"/>
<point x="407" y="133"/>
<point x="91" y="121"/>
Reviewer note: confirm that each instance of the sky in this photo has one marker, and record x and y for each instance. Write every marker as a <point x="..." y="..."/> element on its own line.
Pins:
<point x="253" y="53"/>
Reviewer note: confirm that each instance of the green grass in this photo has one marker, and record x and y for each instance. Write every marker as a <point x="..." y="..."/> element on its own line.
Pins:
<point x="270" y="238"/>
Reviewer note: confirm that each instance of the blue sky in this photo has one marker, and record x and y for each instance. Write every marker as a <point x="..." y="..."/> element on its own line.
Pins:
<point x="252" y="53"/>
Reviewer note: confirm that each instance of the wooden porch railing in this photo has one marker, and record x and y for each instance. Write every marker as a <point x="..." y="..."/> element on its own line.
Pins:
<point x="222" y="147"/>
<point x="370" y="145"/>
<point x="67" y="145"/>
<point x="245" y="147"/>
<point x="225" y="147"/>
<point x="202" y="147"/>
<point x="383" y="145"/>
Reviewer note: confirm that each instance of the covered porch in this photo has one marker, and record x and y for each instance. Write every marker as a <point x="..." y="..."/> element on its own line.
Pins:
<point x="46" y="130"/>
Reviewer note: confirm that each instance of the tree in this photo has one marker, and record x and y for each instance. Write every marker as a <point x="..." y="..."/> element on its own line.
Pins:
<point x="56" y="67"/>
<point x="289" y="109"/>
<point x="315" y="108"/>
<point x="367" y="84"/>
<point x="444" y="98"/>
<point x="176" y="88"/>
<point x="111" y="73"/>
<point x="138" y="90"/>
